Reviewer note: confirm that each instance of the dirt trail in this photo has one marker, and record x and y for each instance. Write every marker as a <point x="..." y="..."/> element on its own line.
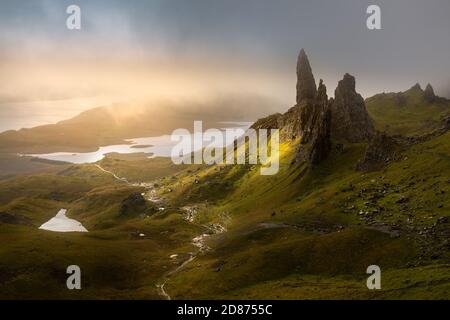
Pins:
<point x="199" y="241"/>
<point x="113" y="174"/>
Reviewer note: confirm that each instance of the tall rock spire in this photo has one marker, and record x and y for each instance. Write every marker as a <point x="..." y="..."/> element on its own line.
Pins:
<point x="429" y="93"/>
<point x="306" y="85"/>
<point x="350" y="120"/>
<point x="315" y="126"/>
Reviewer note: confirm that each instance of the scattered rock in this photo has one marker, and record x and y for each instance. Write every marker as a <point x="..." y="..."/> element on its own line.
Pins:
<point x="403" y="199"/>
<point x="442" y="220"/>
<point x="218" y="266"/>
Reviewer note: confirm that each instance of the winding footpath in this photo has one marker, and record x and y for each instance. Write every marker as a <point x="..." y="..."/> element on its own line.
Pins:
<point x="199" y="242"/>
<point x="113" y="174"/>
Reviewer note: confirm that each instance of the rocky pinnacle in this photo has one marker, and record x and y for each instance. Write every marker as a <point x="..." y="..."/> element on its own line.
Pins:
<point x="306" y="85"/>
<point x="350" y="120"/>
<point x="429" y="93"/>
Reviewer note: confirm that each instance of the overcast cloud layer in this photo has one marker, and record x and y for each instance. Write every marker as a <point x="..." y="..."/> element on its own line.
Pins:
<point x="219" y="46"/>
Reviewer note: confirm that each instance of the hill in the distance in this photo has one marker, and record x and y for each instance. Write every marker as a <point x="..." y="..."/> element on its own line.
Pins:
<point x="112" y="124"/>
<point x="413" y="112"/>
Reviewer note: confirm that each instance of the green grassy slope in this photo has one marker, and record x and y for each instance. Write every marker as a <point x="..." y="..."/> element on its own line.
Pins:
<point x="327" y="224"/>
<point x="406" y="113"/>
<point x="303" y="233"/>
<point x="121" y="256"/>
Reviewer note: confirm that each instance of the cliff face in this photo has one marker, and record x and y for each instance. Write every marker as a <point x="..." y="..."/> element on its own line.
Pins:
<point x="317" y="120"/>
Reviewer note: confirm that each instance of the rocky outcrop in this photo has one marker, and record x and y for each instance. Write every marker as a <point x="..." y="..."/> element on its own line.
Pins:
<point x="298" y="121"/>
<point x="315" y="123"/>
<point x="428" y="94"/>
<point x="350" y="120"/>
<point x="316" y="120"/>
<point x="382" y="150"/>
<point x="135" y="204"/>
<point x="310" y="113"/>
<point x="306" y="85"/>
<point x="15" y="219"/>
<point x="319" y="130"/>
<point x="416" y="87"/>
<point x="288" y="124"/>
<point x="270" y="122"/>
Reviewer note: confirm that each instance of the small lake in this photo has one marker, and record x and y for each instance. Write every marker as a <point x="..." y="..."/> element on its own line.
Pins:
<point x="61" y="223"/>
<point x="153" y="146"/>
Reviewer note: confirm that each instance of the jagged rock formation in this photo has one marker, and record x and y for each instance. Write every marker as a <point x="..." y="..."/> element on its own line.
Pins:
<point x="428" y="94"/>
<point x="416" y="87"/>
<point x="382" y="150"/>
<point x="319" y="128"/>
<point x="306" y="85"/>
<point x="298" y="120"/>
<point x="350" y="120"/>
<point x="288" y="124"/>
<point x="135" y="204"/>
<point x="310" y="113"/>
<point x="315" y="123"/>
<point x="316" y="119"/>
<point x="270" y="122"/>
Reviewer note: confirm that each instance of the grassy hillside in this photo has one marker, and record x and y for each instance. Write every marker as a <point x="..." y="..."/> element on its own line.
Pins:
<point x="407" y="113"/>
<point x="229" y="232"/>
<point x="12" y="165"/>
<point x="122" y="256"/>
<point x="326" y="226"/>
<point x="108" y="125"/>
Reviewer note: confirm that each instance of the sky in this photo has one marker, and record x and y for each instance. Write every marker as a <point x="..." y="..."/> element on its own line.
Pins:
<point x="205" y="48"/>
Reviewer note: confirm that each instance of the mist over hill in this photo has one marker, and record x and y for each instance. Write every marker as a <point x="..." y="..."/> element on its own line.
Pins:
<point x="112" y="124"/>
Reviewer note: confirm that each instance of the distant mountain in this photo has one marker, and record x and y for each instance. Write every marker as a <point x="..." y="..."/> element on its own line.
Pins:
<point x="112" y="124"/>
<point x="413" y="112"/>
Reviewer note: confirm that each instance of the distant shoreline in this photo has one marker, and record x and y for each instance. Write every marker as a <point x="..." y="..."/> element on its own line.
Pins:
<point x="142" y="146"/>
